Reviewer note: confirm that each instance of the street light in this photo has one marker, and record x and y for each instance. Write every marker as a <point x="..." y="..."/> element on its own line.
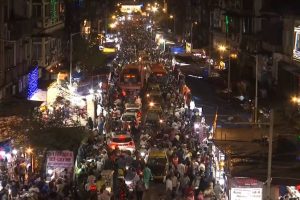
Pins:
<point x="192" y="25"/>
<point x="173" y="18"/>
<point x="71" y="54"/>
<point x="154" y="9"/>
<point x="222" y="49"/>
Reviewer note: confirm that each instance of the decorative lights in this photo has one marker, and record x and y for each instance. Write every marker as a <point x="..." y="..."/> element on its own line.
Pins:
<point x="33" y="77"/>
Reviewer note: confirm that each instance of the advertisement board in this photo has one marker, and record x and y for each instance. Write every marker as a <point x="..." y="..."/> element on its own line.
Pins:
<point x="246" y="194"/>
<point x="60" y="159"/>
<point x="296" y="50"/>
<point x="131" y="8"/>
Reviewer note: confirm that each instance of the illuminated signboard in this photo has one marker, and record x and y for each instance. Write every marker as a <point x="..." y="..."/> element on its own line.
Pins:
<point x="246" y="194"/>
<point x="296" y="51"/>
<point x="131" y="8"/>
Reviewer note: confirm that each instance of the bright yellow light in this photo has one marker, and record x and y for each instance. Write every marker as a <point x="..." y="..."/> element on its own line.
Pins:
<point x="222" y="48"/>
<point x="109" y="50"/>
<point x="113" y="25"/>
<point x="113" y="17"/>
<point x="233" y="55"/>
<point x="151" y="104"/>
<point x="29" y="150"/>
<point x="154" y="9"/>
<point x="164" y="10"/>
<point x="296" y="99"/>
<point x="171" y="16"/>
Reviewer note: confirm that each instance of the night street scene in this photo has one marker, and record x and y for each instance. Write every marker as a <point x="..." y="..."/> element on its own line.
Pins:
<point x="149" y="100"/>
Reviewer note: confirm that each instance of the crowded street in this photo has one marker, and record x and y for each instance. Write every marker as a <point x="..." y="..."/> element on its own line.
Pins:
<point x="150" y="141"/>
<point x="133" y="106"/>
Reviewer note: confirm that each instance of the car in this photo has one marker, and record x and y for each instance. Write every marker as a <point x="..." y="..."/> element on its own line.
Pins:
<point x="153" y="115"/>
<point x="154" y="99"/>
<point x="123" y="141"/>
<point x="158" y="163"/>
<point x="129" y="117"/>
<point x="153" y="87"/>
<point x="133" y="107"/>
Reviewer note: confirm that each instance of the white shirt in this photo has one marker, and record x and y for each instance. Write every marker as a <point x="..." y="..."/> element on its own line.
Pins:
<point x="181" y="169"/>
<point x="169" y="186"/>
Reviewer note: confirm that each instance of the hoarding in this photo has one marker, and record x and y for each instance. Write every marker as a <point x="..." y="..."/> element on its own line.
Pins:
<point x="131" y="8"/>
<point x="296" y="51"/>
<point x="246" y="194"/>
<point x="60" y="159"/>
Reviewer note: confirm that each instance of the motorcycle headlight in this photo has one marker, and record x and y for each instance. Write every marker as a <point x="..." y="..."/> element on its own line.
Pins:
<point x="196" y="126"/>
<point x="143" y="154"/>
<point x="128" y="182"/>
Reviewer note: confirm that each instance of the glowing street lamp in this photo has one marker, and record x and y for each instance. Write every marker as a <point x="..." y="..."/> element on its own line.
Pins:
<point x="113" y="17"/>
<point x="154" y="9"/>
<point x="151" y="104"/>
<point x="172" y="17"/>
<point x="222" y="48"/>
<point x="296" y="100"/>
<point x="112" y="25"/>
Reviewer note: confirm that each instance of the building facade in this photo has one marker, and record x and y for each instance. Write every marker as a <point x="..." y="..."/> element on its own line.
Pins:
<point x="27" y="40"/>
<point x="281" y="38"/>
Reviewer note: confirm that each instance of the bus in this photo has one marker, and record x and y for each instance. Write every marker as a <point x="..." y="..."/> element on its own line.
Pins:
<point x="132" y="77"/>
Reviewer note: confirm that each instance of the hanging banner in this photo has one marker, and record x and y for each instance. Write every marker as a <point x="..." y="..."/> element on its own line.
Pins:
<point x="60" y="159"/>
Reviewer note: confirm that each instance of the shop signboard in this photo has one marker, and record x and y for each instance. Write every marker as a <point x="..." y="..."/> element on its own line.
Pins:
<point x="60" y="159"/>
<point x="245" y="189"/>
<point x="246" y="194"/>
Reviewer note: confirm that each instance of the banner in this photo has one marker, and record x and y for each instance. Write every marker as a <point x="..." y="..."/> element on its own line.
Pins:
<point x="60" y="159"/>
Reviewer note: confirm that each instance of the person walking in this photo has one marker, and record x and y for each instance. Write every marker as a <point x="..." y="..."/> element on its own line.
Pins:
<point x="169" y="187"/>
<point x="147" y="177"/>
<point x="140" y="188"/>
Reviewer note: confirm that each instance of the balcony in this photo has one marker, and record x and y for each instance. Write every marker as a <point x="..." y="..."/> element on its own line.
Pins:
<point x="20" y="28"/>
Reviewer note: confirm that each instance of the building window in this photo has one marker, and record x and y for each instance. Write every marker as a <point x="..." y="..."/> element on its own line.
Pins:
<point x="36" y="51"/>
<point x="36" y="11"/>
<point x="47" y="10"/>
<point x="296" y="51"/>
<point x="247" y="25"/>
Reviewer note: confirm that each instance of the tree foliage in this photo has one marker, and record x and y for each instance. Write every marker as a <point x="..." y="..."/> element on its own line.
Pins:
<point x="88" y="54"/>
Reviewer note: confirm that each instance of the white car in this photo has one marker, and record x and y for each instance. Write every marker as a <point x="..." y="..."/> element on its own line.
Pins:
<point x="132" y="107"/>
<point x="123" y="141"/>
<point x="129" y="117"/>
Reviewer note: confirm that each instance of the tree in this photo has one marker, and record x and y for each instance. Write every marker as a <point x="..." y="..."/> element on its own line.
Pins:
<point x="88" y="54"/>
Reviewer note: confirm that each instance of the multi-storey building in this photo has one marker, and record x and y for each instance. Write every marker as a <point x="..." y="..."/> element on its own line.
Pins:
<point x="48" y="24"/>
<point x="281" y="25"/>
<point x="237" y="24"/>
<point x="28" y="38"/>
